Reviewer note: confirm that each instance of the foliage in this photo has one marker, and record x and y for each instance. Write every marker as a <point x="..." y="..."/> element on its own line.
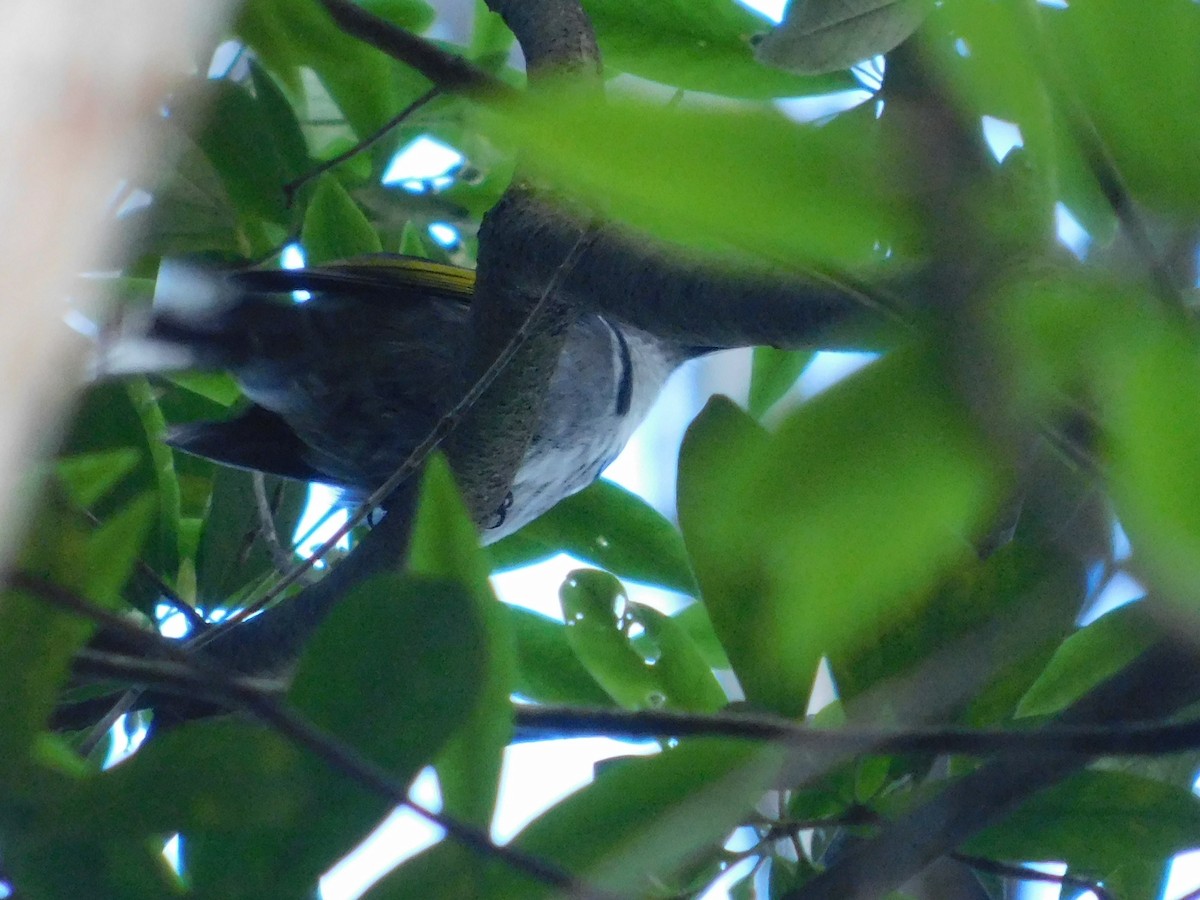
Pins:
<point x="929" y="530"/>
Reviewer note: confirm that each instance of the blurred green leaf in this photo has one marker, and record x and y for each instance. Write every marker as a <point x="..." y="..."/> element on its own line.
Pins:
<point x="813" y="194"/>
<point x="773" y="374"/>
<point x="394" y="672"/>
<point x="697" y="45"/>
<point x="290" y="34"/>
<point x="1097" y="822"/>
<point x="45" y="865"/>
<point x="235" y="548"/>
<point x="89" y="476"/>
<point x="1088" y="657"/>
<point x="36" y="646"/>
<point x="114" y="548"/>
<point x="202" y="776"/>
<point x="445" y="545"/>
<point x="446" y="871"/>
<point x="829" y="529"/>
<point x="646" y="818"/>
<point x="334" y="226"/>
<point x="236" y="138"/>
<point x="827" y="35"/>
<point x="610" y="527"/>
<point x="1133" y="70"/>
<point x="125" y="417"/>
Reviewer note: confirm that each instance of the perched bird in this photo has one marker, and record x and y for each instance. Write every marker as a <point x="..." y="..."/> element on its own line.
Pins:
<point x="343" y="384"/>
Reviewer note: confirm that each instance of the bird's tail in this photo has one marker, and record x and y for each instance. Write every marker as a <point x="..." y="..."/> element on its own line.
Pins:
<point x="189" y="326"/>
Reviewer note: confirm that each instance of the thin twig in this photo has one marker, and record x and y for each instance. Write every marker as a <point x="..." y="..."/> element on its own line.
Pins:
<point x="1132" y="739"/>
<point x="290" y="189"/>
<point x="1026" y="873"/>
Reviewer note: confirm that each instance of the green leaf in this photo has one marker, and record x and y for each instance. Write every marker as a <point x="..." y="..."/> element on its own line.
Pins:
<point x="446" y="871"/>
<point x="612" y="528"/>
<point x="290" y="34"/>
<point x="237" y="139"/>
<point x="1088" y="657"/>
<point x="663" y="667"/>
<point x="1142" y="107"/>
<point x="89" y="476"/>
<point x="114" y="548"/>
<point x="36" y="646"/>
<point x="280" y="118"/>
<point x="394" y="672"/>
<point x="831" y="528"/>
<point x="548" y="671"/>
<point x="598" y="621"/>
<point x="445" y="545"/>
<point x="44" y="865"/>
<point x="696" y="45"/>
<point x="234" y="549"/>
<point x="203" y="776"/>
<point x="1097" y="822"/>
<point x="814" y="194"/>
<point x="334" y="225"/>
<point x="820" y="36"/>
<point x="646" y="818"/>
<point x="126" y="417"/>
<point x="773" y="374"/>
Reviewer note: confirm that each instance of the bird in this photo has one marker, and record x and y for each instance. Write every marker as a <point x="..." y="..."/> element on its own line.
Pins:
<point x="346" y="367"/>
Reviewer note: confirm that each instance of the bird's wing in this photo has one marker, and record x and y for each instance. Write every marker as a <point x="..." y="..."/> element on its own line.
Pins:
<point x="375" y="277"/>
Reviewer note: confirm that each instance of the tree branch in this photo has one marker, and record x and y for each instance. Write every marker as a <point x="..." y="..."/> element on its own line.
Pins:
<point x="446" y="70"/>
<point x="1118" y="739"/>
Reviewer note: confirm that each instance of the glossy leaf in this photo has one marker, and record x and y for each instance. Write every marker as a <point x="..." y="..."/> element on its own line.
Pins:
<point x="598" y="621"/>
<point x="610" y="527"/>
<point x="548" y="671"/>
<point x="89" y="476"/>
<point x="827" y="35"/>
